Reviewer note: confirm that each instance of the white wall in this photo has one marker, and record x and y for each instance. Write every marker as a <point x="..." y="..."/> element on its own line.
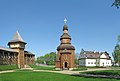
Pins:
<point x="14" y="45"/>
<point x="105" y="62"/>
<point x="102" y="61"/>
<point x="109" y="62"/>
<point x="87" y="62"/>
<point x="90" y="62"/>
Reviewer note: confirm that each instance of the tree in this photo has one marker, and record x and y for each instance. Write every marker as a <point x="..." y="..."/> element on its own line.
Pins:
<point x="118" y="40"/>
<point x="40" y="60"/>
<point x="76" y="58"/>
<point x="48" y="58"/>
<point x="116" y="3"/>
<point x="116" y="52"/>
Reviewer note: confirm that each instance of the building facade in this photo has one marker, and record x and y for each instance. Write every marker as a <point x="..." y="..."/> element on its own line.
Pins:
<point x="16" y="53"/>
<point x="65" y="52"/>
<point x="91" y="58"/>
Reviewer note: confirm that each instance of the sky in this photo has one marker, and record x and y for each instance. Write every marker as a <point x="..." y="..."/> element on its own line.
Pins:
<point x="93" y="24"/>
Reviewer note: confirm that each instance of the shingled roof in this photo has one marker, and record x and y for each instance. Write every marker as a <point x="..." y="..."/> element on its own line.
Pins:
<point x="93" y="54"/>
<point x="17" y="38"/>
<point x="7" y="49"/>
<point x="28" y="53"/>
<point x="65" y="46"/>
<point x="65" y="36"/>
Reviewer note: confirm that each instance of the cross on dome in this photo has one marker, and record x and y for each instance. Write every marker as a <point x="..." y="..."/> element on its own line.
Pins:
<point x="65" y="20"/>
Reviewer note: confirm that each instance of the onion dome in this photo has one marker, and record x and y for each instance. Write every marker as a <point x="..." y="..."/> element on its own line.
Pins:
<point x="65" y="27"/>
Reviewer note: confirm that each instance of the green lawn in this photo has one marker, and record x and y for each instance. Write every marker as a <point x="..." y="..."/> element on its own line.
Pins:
<point x="104" y="72"/>
<point x="45" y="76"/>
<point x="8" y="67"/>
<point x="41" y="67"/>
<point x="80" y="69"/>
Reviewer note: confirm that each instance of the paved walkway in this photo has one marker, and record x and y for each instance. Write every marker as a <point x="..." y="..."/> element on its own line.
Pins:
<point x="7" y="71"/>
<point x="63" y="72"/>
<point x="75" y="72"/>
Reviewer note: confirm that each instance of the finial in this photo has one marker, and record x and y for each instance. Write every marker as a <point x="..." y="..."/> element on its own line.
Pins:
<point x="65" y="20"/>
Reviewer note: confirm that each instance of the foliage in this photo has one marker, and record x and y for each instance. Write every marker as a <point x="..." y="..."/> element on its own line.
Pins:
<point x="40" y="60"/>
<point x="116" y="3"/>
<point x="76" y="58"/>
<point x="118" y="40"/>
<point x="48" y="58"/>
<point x="45" y="76"/>
<point x="41" y="67"/>
<point x="51" y="57"/>
<point x="116" y="52"/>
<point x="8" y="67"/>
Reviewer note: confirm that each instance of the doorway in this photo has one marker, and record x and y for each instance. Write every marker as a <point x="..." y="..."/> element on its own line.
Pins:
<point x="65" y="64"/>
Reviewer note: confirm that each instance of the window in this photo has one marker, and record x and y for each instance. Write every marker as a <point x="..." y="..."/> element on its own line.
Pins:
<point x="88" y="62"/>
<point x="91" y="62"/>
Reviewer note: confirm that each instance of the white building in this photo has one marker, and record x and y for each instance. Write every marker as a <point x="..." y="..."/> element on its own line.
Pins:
<point x="91" y="58"/>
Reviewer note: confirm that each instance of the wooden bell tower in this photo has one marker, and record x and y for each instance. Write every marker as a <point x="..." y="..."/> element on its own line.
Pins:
<point x="65" y="51"/>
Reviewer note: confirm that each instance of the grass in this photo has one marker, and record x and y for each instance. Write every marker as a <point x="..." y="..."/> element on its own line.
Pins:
<point x="96" y="67"/>
<point x="41" y="67"/>
<point x="80" y="69"/>
<point x="45" y="76"/>
<point x="8" y="67"/>
<point x="29" y="75"/>
<point x="105" y="72"/>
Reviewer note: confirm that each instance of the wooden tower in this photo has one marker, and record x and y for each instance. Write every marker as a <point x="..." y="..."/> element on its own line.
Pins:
<point x="65" y="51"/>
<point x="18" y="44"/>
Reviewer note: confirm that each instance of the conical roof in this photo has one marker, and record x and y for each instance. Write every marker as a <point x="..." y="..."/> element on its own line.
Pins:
<point x="17" y="38"/>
